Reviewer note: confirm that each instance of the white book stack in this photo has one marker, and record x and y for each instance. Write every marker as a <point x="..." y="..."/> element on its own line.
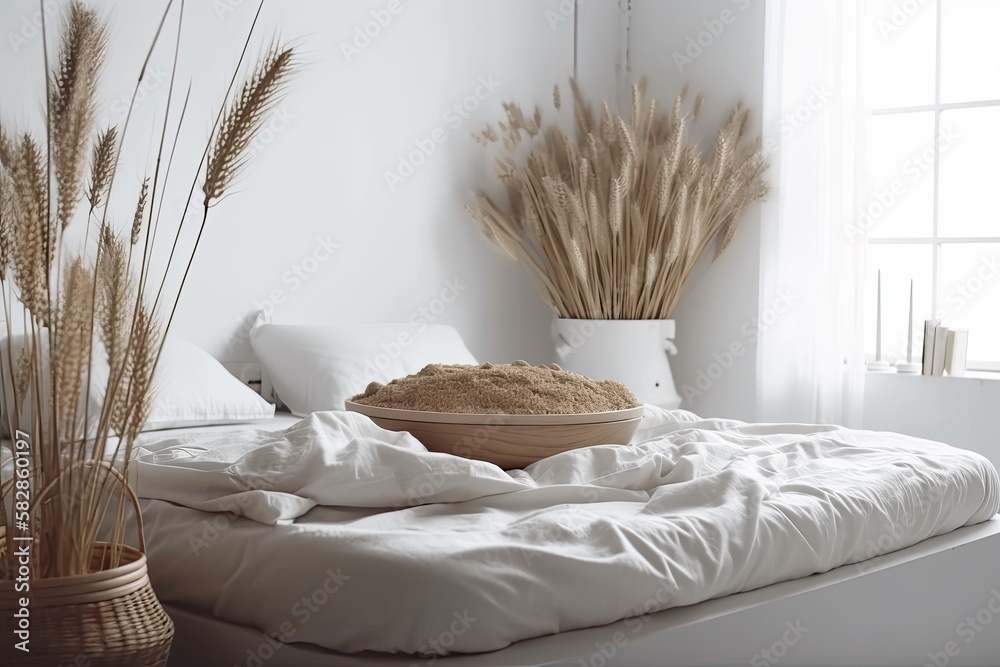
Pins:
<point x="940" y="350"/>
<point x="928" y="359"/>
<point x="956" y="351"/>
<point x="945" y="350"/>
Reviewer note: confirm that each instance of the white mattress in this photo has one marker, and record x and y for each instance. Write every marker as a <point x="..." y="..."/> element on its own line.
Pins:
<point x="354" y="538"/>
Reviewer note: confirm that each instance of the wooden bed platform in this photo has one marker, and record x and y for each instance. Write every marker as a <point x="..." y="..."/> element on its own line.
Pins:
<point x="935" y="603"/>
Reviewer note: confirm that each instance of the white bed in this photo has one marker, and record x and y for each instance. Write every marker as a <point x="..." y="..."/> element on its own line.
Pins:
<point x="221" y="575"/>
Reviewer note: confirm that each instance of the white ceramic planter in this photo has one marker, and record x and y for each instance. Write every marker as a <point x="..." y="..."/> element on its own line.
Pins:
<point x="633" y="352"/>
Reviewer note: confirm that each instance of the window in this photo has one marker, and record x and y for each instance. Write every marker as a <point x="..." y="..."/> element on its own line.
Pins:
<point x="931" y="72"/>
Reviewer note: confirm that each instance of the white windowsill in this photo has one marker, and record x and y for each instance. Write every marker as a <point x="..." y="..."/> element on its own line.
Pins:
<point x="969" y="375"/>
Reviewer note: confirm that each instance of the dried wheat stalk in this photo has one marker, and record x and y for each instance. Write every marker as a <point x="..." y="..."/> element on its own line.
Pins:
<point x="245" y="118"/>
<point x="93" y="307"/>
<point x="611" y="222"/>
<point x="102" y="165"/>
<point x="72" y="102"/>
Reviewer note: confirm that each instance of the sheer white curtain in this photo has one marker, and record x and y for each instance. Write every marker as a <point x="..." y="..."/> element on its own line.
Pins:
<point x="812" y="260"/>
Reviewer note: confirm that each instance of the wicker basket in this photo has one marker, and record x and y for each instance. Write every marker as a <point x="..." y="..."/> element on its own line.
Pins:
<point x="109" y="617"/>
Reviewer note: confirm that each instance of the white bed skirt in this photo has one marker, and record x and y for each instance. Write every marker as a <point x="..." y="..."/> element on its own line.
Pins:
<point x="917" y="606"/>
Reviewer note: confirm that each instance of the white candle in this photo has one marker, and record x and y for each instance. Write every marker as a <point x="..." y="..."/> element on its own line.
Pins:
<point x="878" y="321"/>
<point x="909" y="330"/>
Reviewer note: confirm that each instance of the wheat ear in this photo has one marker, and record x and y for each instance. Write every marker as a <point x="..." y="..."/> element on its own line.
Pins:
<point x="244" y="119"/>
<point x="102" y="165"/>
<point x="71" y="105"/>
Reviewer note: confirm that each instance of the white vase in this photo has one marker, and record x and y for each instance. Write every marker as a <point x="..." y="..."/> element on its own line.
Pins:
<point x="633" y="352"/>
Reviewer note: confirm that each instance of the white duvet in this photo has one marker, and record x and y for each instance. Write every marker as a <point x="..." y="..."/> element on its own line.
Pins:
<point x="356" y="538"/>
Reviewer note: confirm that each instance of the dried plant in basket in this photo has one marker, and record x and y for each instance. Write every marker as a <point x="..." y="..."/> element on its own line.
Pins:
<point x="611" y="221"/>
<point x="73" y="317"/>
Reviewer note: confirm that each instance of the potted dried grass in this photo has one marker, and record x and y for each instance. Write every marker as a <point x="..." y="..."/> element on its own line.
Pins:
<point x="611" y="221"/>
<point x="71" y="589"/>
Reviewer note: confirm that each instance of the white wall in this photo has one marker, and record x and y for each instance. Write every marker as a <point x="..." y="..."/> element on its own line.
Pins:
<point x="320" y="173"/>
<point x="602" y="47"/>
<point x="720" y="304"/>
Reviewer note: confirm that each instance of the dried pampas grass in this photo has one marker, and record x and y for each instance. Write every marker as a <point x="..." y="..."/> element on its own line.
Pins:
<point x="94" y="308"/>
<point x="611" y="222"/>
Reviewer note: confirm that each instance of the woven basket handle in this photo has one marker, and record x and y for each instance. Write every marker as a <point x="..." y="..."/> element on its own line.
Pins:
<point x="121" y="480"/>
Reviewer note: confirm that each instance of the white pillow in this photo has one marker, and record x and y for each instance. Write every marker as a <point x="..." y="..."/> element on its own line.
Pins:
<point x="316" y="367"/>
<point x="193" y="389"/>
<point x="190" y="387"/>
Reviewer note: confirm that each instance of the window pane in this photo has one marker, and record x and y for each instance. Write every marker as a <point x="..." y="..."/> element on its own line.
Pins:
<point x="970" y="50"/>
<point x="899" y="263"/>
<point x="899" y="53"/>
<point x="900" y="160"/>
<point x="969" y="296"/>
<point x="969" y="172"/>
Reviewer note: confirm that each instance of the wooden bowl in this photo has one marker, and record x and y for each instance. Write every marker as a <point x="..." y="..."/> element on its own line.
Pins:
<point x="509" y="441"/>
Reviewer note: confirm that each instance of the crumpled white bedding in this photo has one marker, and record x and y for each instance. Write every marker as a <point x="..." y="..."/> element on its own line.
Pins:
<point x="356" y="538"/>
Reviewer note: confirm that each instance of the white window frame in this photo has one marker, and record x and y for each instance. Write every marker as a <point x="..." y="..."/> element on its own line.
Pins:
<point x="935" y="240"/>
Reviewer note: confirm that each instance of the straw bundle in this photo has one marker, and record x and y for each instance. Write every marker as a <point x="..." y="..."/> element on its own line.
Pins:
<point x="97" y="308"/>
<point x="611" y="221"/>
